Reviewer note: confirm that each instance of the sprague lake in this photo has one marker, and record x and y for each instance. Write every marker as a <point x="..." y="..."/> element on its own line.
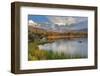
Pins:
<point x="72" y="48"/>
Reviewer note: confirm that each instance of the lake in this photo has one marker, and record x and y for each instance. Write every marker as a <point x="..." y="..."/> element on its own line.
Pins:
<point x="72" y="47"/>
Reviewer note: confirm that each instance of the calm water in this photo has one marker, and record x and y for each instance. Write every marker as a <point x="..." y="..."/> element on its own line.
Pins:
<point x="68" y="47"/>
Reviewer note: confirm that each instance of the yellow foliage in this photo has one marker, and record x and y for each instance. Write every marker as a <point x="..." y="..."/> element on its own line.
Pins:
<point x="39" y="54"/>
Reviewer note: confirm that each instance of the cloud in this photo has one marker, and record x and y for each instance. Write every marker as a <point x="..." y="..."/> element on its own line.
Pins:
<point x="65" y="20"/>
<point x="62" y="20"/>
<point x="31" y="22"/>
<point x="70" y="20"/>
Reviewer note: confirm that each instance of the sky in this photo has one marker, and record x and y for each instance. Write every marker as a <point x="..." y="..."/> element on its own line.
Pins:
<point x="65" y="21"/>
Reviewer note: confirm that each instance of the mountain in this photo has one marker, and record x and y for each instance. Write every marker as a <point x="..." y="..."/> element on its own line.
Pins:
<point x="83" y="30"/>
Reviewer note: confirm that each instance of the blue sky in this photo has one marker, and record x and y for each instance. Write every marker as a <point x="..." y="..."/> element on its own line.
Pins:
<point x="38" y="18"/>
